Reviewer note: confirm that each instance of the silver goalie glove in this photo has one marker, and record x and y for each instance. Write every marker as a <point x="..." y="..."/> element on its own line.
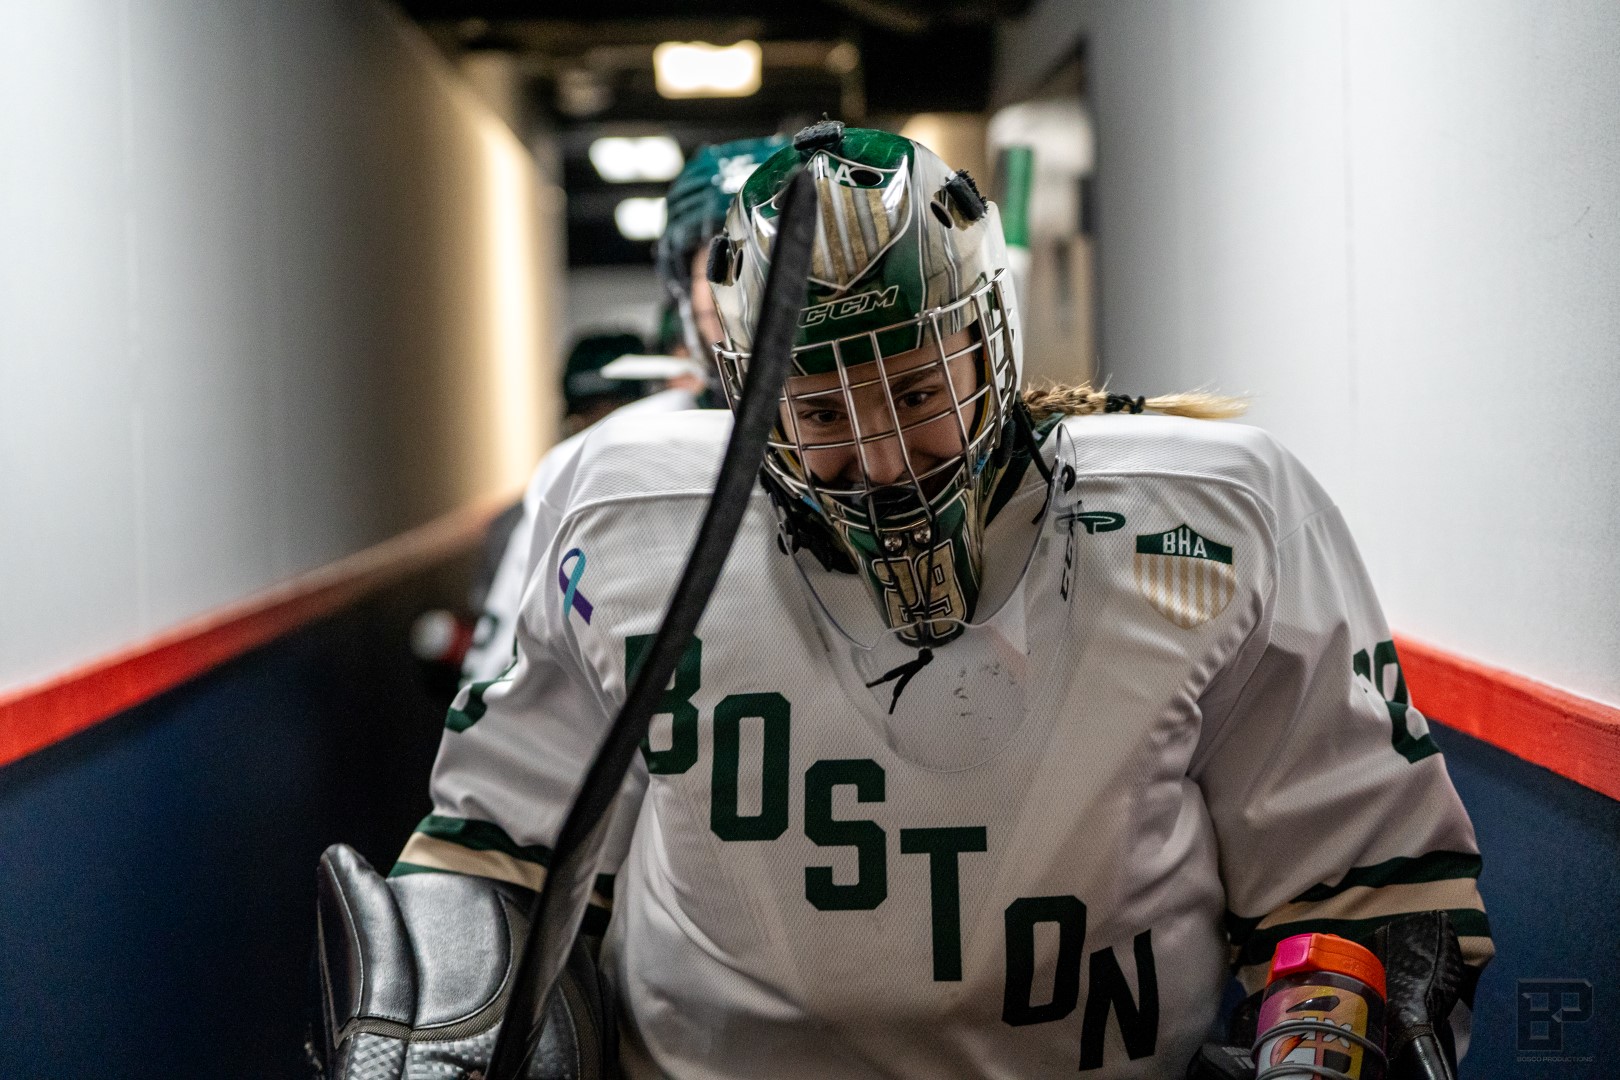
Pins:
<point x="415" y="972"/>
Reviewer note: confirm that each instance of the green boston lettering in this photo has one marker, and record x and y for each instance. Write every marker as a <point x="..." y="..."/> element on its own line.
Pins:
<point x="942" y="846"/>
<point x="773" y="711"/>
<point x="871" y="884"/>
<point x="1109" y="992"/>
<point x="677" y="702"/>
<point x="1022" y="916"/>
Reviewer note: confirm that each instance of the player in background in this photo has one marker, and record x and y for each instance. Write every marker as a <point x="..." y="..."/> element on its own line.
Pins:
<point x="1018" y="723"/>
<point x="479" y="653"/>
<point x="444" y="640"/>
<point x="588" y="395"/>
<point x="697" y="203"/>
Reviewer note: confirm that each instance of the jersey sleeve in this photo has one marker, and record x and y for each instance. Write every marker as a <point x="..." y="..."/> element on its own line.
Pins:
<point x="524" y="727"/>
<point x="491" y="651"/>
<point x="494" y="643"/>
<point x="515" y="749"/>
<point x="1331" y="803"/>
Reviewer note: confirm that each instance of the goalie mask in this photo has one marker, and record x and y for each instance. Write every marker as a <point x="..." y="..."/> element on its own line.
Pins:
<point x="898" y="419"/>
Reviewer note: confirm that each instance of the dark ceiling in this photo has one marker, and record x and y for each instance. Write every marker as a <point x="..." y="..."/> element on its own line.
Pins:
<point x="585" y="70"/>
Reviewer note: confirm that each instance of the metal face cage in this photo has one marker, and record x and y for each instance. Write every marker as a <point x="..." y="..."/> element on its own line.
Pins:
<point x="980" y="415"/>
<point x="918" y="534"/>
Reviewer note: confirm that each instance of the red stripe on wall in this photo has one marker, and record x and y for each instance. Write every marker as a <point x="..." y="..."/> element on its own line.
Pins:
<point x="35" y="716"/>
<point x="1573" y="736"/>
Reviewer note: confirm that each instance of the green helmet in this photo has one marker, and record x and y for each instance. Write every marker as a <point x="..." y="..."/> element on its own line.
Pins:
<point x="697" y="203"/>
<point x="698" y="200"/>
<point x="583" y="381"/>
<point x="670" y="333"/>
<point x="907" y="354"/>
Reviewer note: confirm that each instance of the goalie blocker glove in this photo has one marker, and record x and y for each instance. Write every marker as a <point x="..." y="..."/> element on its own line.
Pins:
<point x="415" y="973"/>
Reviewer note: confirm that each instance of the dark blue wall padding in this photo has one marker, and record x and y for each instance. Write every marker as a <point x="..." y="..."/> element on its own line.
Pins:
<point x="157" y="872"/>
<point x="1552" y="886"/>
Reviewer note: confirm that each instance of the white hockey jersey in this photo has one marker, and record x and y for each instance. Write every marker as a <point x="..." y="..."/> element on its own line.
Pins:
<point x="492" y="650"/>
<point x="1183" y="737"/>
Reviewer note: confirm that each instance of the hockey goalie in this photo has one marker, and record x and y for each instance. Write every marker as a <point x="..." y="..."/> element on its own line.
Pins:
<point x="1019" y="723"/>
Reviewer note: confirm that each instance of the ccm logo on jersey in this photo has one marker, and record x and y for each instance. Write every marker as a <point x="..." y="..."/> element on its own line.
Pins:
<point x="850" y="306"/>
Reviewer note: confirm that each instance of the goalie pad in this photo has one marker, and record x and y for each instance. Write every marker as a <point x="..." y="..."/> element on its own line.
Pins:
<point x="415" y="973"/>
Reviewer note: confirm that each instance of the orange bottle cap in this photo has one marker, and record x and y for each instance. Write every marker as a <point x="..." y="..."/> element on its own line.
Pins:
<point x="1326" y="952"/>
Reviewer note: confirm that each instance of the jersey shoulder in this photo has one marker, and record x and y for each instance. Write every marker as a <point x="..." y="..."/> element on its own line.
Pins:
<point x="643" y="456"/>
<point x="1179" y="451"/>
<point x="554" y="473"/>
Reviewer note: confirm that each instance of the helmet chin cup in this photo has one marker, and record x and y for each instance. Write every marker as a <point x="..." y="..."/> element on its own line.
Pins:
<point x="861" y="606"/>
<point x="921" y="586"/>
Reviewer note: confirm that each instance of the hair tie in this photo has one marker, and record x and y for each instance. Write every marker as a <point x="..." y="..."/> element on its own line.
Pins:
<point x="1124" y="403"/>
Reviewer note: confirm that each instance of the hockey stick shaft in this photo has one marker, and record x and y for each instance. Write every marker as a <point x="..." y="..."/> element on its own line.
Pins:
<point x="558" y="910"/>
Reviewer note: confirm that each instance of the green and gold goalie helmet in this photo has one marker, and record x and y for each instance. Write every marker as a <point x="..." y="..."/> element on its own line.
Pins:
<point x="899" y="416"/>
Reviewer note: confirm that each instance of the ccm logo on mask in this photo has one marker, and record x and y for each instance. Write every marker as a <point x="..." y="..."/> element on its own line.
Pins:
<point x="850" y="305"/>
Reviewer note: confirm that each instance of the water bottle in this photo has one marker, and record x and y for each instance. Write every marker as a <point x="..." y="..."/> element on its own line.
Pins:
<point x="1322" y="1014"/>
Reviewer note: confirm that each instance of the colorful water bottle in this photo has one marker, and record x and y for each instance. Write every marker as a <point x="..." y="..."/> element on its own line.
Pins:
<point x="1323" y="1012"/>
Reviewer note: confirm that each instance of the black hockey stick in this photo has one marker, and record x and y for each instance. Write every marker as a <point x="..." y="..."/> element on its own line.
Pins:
<point x="556" y="914"/>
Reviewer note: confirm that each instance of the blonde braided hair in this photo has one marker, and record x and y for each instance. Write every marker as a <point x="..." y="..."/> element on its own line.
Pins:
<point x="1083" y="400"/>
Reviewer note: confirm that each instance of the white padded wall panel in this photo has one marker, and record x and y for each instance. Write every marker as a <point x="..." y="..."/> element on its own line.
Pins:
<point x="70" y="481"/>
<point x="1395" y="224"/>
<point x="1485" y="144"/>
<point x="204" y="260"/>
<point x="277" y="288"/>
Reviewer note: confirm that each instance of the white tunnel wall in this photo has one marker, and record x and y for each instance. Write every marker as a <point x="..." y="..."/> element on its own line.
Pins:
<point x="274" y="287"/>
<point x="1394" y="223"/>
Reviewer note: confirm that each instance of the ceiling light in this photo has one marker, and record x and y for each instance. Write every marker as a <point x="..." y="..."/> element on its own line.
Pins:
<point x="626" y="161"/>
<point x="843" y="58"/>
<point x="688" y="69"/>
<point x="582" y="93"/>
<point x="640" y="219"/>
